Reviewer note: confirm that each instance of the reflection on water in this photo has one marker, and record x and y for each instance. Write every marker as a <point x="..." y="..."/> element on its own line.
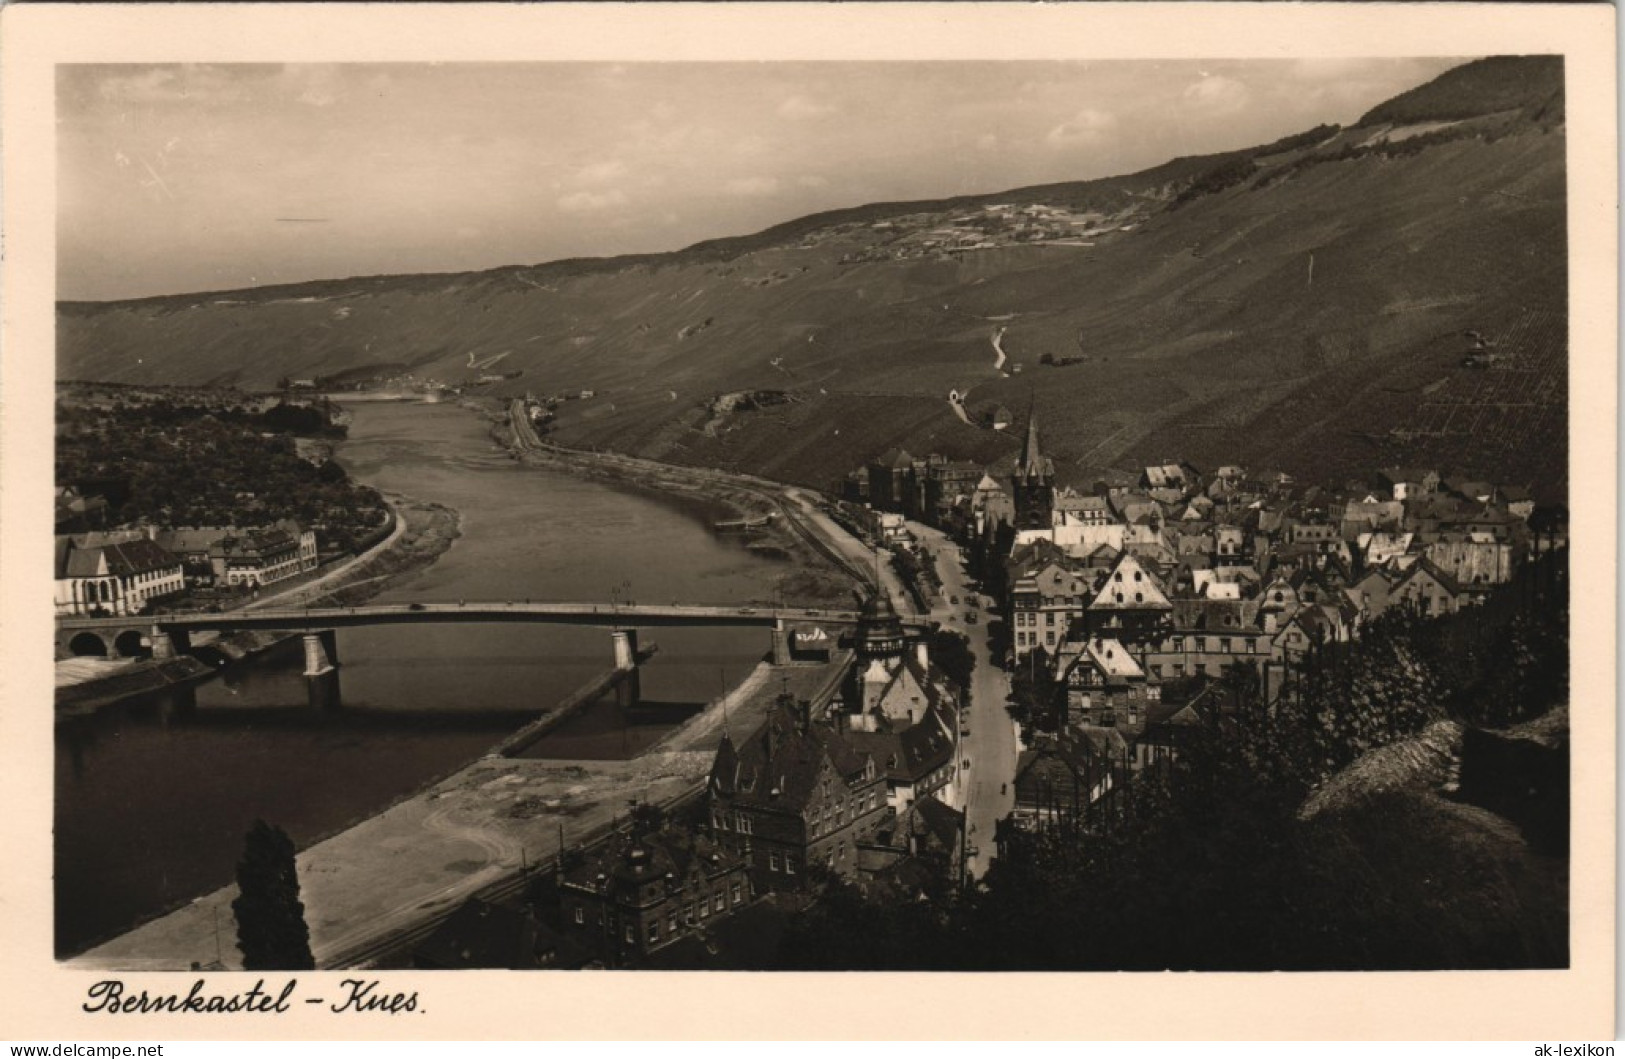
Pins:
<point x="153" y="795"/>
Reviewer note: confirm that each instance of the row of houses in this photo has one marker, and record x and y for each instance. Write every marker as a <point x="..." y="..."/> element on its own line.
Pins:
<point x="127" y="572"/>
<point x="859" y="783"/>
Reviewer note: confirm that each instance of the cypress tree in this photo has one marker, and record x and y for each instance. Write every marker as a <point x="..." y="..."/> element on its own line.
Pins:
<point x="271" y="930"/>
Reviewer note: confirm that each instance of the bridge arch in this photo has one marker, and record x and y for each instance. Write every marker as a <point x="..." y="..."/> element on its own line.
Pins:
<point x="87" y="644"/>
<point x="128" y="644"/>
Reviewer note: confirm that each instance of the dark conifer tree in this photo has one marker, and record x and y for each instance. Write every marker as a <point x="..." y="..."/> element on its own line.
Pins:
<point x="271" y="930"/>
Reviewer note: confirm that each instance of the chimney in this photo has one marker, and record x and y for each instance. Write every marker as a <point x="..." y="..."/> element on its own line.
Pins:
<point x="803" y="716"/>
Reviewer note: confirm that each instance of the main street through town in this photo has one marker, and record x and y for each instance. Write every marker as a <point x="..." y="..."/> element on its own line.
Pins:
<point x="988" y="783"/>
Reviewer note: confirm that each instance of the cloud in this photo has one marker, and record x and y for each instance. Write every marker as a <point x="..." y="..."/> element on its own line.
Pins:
<point x="172" y="84"/>
<point x="601" y="172"/>
<point x="591" y="201"/>
<point x="1217" y="95"/>
<point x="799" y="107"/>
<point x="1087" y="126"/>
<point x="754" y="186"/>
<point x="316" y="85"/>
<point x="1337" y="69"/>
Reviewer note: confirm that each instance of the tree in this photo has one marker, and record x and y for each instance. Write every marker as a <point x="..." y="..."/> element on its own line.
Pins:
<point x="953" y="656"/>
<point x="271" y="930"/>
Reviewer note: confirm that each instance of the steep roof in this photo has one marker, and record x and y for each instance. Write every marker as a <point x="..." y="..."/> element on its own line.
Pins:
<point x="1428" y="567"/>
<point x="909" y="754"/>
<point x="1033" y="462"/>
<point x="779" y="765"/>
<point x="895" y="459"/>
<point x="1130" y="587"/>
<point x="181" y="541"/>
<point x="117" y="560"/>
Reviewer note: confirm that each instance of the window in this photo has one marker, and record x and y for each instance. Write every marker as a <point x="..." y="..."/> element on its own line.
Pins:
<point x="719" y="901"/>
<point x="654" y="930"/>
<point x="772" y="862"/>
<point x="1224" y="645"/>
<point x="671" y="923"/>
<point x="1049" y="638"/>
<point x="704" y="908"/>
<point x="737" y="896"/>
<point x="789" y="869"/>
<point x="1251" y="646"/>
<point x="581" y="914"/>
<point x="631" y="934"/>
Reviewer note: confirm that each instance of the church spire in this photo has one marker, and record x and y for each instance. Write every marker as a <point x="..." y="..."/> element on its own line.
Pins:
<point x="1034" y="464"/>
<point x="1034" y="479"/>
<point x="1032" y="458"/>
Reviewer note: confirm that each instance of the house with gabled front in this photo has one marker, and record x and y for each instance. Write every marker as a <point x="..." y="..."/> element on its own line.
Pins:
<point x="795" y="792"/>
<point x="1130" y="605"/>
<point x="1429" y="589"/>
<point x="1102" y="684"/>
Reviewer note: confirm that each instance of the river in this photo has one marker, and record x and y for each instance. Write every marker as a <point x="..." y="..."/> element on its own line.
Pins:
<point x="152" y="800"/>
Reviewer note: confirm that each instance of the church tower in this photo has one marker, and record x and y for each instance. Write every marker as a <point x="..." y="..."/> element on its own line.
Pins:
<point x="1034" y="482"/>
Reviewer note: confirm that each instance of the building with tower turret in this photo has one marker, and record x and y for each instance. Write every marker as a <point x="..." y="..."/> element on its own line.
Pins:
<point x="1033" y="483"/>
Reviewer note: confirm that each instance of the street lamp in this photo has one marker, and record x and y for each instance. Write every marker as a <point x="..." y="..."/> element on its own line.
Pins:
<point x="219" y="961"/>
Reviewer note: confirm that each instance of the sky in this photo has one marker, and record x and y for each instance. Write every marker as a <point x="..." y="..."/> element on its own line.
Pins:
<point x="177" y="178"/>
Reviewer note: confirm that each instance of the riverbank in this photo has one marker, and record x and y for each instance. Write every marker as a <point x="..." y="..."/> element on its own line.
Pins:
<point x="473" y="832"/>
<point x="818" y="574"/>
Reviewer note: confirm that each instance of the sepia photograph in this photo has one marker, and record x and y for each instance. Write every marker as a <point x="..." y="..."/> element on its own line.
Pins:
<point x="884" y="514"/>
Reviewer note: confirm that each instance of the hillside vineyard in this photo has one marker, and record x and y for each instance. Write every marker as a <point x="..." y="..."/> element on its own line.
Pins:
<point x="1308" y="304"/>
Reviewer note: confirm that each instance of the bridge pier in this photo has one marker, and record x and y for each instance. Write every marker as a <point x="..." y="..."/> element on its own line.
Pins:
<point x="178" y="703"/>
<point x="781" y="644"/>
<point x="323" y="692"/>
<point x="163" y="645"/>
<point x="627" y="690"/>
<point x="321" y="652"/>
